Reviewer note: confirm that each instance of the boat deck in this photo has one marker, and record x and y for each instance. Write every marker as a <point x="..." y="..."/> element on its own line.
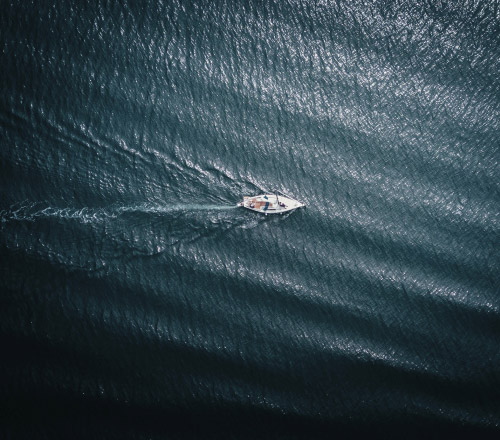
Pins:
<point x="270" y="203"/>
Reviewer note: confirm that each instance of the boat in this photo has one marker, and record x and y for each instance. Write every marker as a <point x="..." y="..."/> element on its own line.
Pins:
<point x="270" y="203"/>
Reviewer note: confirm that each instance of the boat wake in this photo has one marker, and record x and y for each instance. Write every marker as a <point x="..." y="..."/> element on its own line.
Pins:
<point x="158" y="209"/>
<point x="34" y="211"/>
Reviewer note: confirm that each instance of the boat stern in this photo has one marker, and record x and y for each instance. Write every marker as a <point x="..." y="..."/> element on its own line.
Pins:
<point x="244" y="202"/>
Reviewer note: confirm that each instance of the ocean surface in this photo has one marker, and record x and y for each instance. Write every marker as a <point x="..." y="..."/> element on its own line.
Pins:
<point x="137" y="301"/>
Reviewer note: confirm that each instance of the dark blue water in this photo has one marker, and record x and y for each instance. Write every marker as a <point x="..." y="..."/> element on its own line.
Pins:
<point x="138" y="302"/>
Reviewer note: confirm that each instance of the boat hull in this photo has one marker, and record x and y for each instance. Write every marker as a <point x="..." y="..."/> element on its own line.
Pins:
<point x="270" y="204"/>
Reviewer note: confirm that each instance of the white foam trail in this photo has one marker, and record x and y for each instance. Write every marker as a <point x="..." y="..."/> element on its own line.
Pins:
<point x="32" y="211"/>
<point x="174" y="208"/>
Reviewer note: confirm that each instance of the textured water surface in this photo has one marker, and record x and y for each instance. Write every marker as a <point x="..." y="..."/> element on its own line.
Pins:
<point x="138" y="302"/>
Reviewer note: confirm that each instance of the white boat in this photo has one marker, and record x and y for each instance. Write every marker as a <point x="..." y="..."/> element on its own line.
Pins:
<point x="270" y="203"/>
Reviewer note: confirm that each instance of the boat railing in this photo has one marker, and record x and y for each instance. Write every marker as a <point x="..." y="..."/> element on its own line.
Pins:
<point x="286" y="195"/>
